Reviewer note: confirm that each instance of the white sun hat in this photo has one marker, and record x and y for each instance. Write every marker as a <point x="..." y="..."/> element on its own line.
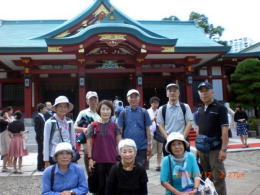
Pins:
<point x="132" y="91"/>
<point x="175" y="136"/>
<point x="63" y="146"/>
<point x="62" y="99"/>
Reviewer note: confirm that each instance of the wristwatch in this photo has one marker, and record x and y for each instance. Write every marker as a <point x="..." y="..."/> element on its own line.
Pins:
<point x="224" y="149"/>
<point x="90" y="158"/>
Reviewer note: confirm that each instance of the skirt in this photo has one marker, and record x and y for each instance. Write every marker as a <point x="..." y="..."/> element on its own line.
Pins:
<point x="242" y="129"/>
<point x="16" y="148"/>
<point x="4" y="143"/>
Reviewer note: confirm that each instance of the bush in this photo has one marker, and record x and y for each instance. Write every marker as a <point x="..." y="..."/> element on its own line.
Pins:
<point x="253" y="123"/>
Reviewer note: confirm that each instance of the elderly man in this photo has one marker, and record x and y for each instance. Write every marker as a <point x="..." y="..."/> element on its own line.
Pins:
<point x="135" y="123"/>
<point x="85" y="117"/>
<point x="174" y="116"/>
<point x="213" y="126"/>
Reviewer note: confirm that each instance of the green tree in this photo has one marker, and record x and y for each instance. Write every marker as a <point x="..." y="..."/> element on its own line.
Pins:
<point x="202" y="21"/>
<point x="246" y="83"/>
<point x="172" y="18"/>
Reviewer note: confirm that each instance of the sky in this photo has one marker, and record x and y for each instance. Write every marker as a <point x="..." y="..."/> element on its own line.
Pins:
<point x="238" y="17"/>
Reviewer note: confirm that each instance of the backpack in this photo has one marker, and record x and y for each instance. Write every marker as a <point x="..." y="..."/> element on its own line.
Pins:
<point x="183" y="108"/>
<point x="124" y="119"/>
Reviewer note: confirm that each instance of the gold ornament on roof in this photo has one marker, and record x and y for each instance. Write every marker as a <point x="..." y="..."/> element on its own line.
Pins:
<point x="101" y="9"/>
<point x="112" y="37"/>
<point x="63" y="34"/>
<point x="55" y="49"/>
<point x="81" y="49"/>
<point x="84" y="23"/>
<point x="168" y="49"/>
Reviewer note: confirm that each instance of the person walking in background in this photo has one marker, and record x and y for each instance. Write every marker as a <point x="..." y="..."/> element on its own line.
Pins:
<point x="64" y="177"/>
<point x="49" y="112"/>
<point x="180" y="173"/>
<point x="57" y="129"/>
<point x="127" y="177"/>
<point x="4" y="138"/>
<point x="156" y="146"/>
<point x="135" y="122"/>
<point x="17" y="148"/>
<point x="240" y="118"/>
<point x="84" y="118"/>
<point x="174" y="116"/>
<point x="212" y="140"/>
<point x="102" y="139"/>
<point x="39" y="121"/>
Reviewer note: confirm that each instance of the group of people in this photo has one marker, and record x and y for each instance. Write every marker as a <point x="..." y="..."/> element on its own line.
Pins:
<point x="118" y="148"/>
<point x="12" y="144"/>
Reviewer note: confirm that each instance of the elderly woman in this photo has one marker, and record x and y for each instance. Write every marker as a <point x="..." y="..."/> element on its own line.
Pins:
<point x="57" y="129"/>
<point x="127" y="177"/>
<point x="180" y="173"/>
<point x="64" y="177"/>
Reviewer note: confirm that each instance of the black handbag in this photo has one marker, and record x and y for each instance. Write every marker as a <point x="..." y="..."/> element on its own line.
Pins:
<point x="158" y="135"/>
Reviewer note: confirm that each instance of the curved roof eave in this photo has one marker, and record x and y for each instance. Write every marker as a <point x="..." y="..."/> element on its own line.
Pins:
<point x="70" y="23"/>
<point x="110" y="28"/>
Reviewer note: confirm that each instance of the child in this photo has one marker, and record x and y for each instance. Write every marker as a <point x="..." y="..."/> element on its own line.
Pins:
<point x="17" y="147"/>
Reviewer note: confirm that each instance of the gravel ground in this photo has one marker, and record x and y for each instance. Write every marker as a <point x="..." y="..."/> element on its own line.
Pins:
<point x="247" y="162"/>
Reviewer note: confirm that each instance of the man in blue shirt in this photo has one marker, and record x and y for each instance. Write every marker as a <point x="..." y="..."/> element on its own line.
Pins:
<point x="134" y="121"/>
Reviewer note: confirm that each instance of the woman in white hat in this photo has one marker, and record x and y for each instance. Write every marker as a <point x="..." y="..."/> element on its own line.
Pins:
<point x="64" y="177"/>
<point x="127" y="177"/>
<point x="57" y="129"/>
<point x="180" y="173"/>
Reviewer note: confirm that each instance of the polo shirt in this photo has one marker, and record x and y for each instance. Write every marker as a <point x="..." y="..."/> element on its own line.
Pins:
<point x="211" y="120"/>
<point x="135" y="125"/>
<point x="174" y="119"/>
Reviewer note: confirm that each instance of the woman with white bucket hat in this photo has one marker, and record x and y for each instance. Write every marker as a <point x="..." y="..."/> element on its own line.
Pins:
<point x="58" y="128"/>
<point x="180" y="173"/>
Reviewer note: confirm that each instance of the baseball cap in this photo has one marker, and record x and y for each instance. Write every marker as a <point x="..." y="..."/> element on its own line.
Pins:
<point x="91" y="94"/>
<point x="172" y="85"/>
<point x="132" y="91"/>
<point x="204" y="84"/>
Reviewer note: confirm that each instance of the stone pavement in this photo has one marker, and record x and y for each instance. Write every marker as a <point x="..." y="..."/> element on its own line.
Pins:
<point x="242" y="166"/>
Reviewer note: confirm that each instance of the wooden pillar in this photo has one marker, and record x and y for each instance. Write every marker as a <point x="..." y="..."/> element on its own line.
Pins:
<point x="188" y="86"/>
<point x="139" y="82"/>
<point x="27" y="96"/>
<point x="1" y="95"/>
<point x="82" y="83"/>
<point x="27" y="87"/>
<point x="225" y="84"/>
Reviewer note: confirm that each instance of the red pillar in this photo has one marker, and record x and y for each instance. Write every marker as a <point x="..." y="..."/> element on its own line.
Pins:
<point x="1" y="95"/>
<point x="27" y="97"/>
<point x="82" y="86"/>
<point x="139" y="82"/>
<point x="225" y="84"/>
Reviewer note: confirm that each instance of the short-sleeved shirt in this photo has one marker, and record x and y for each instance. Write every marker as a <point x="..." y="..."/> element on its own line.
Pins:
<point x="152" y="113"/>
<point x="174" y="119"/>
<point x="212" y="119"/>
<point x="16" y="126"/>
<point x="136" y="121"/>
<point x="166" y="176"/>
<point x="104" y="148"/>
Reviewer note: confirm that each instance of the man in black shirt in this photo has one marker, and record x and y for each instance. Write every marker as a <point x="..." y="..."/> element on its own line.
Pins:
<point x="213" y="122"/>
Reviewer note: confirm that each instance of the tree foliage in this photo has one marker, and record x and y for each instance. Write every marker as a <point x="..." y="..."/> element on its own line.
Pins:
<point x="202" y="21"/>
<point x="171" y="18"/>
<point x="246" y="83"/>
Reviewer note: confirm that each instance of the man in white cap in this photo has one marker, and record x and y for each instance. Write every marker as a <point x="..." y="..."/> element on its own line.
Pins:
<point x="174" y="116"/>
<point x="57" y="129"/>
<point x="87" y="116"/>
<point x="135" y="123"/>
